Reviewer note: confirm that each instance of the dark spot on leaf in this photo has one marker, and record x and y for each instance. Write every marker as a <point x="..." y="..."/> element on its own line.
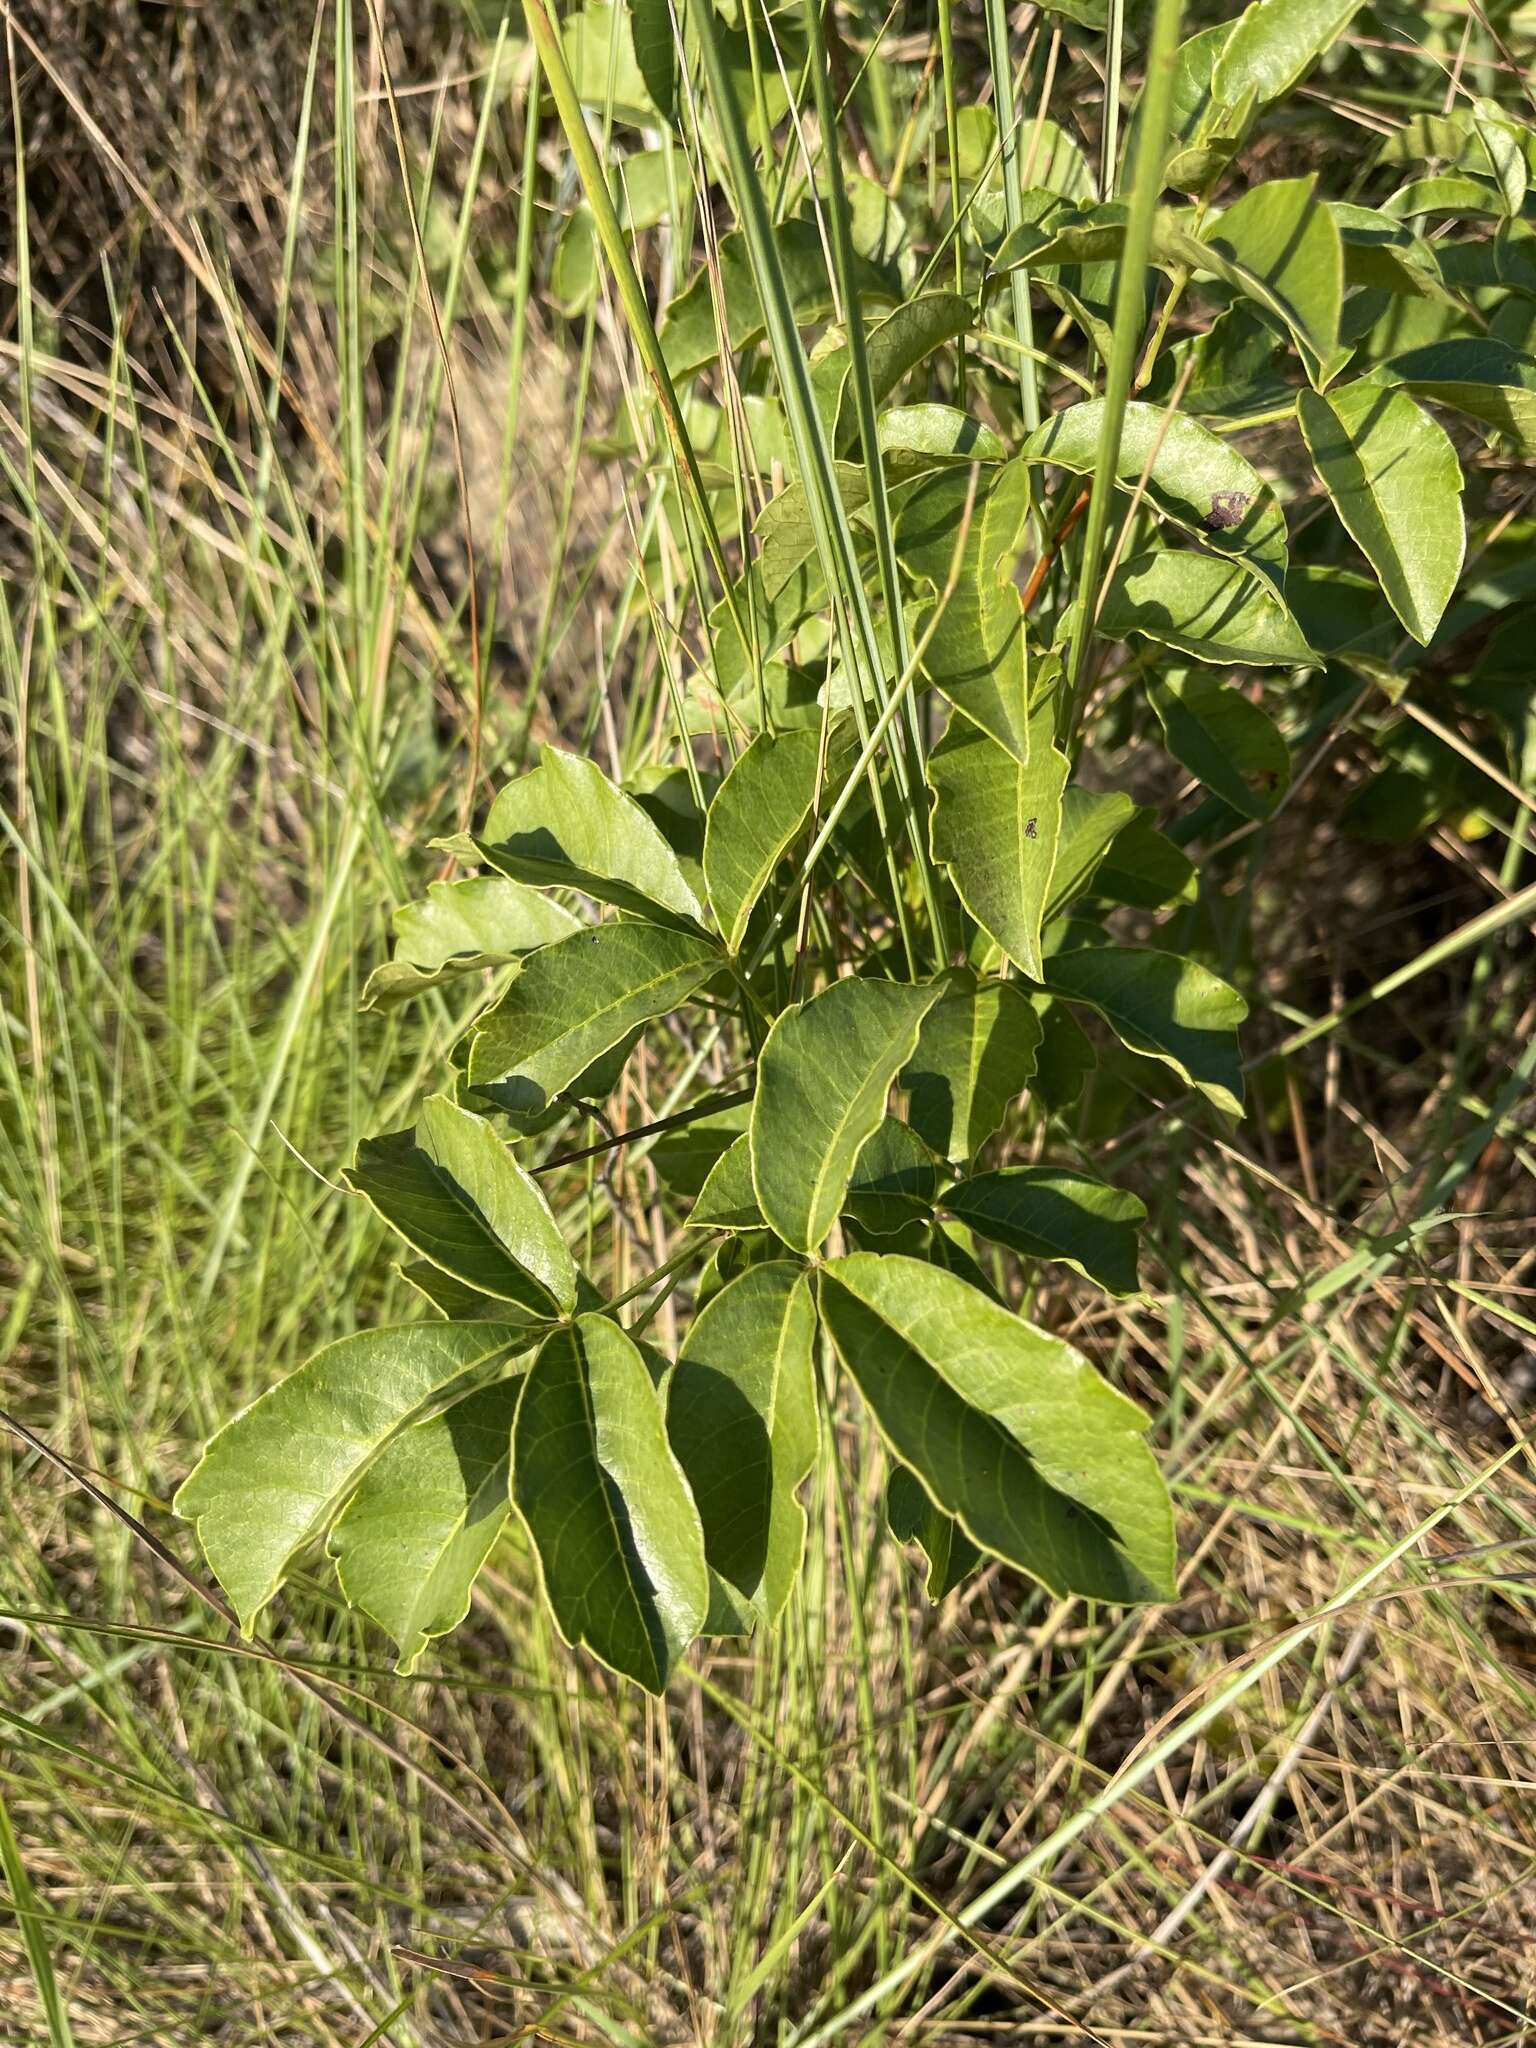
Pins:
<point x="1029" y="830"/>
<point x="1227" y="509"/>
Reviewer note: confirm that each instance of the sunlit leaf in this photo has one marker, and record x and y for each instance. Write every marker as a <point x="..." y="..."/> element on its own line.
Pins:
<point x="274" y="1478"/>
<point x="456" y="1193"/>
<point x="575" y="1001"/>
<point x="759" y="811"/>
<point x="976" y="651"/>
<point x="995" y="825"/>
<point x="459" y="927"/>
<point x="825" y="1071"/>
<point x="1009" y="1430"/>
<point x="565" y="825"/>
<point x="1172" y="1010"/>
<point x="1215" y="611"/>
<point x="1194" y="477"/>
<point x="1475" y="374"/>
<point x="741" y="1416"/>
<point x="1273" y="44"/>
<point x="607" y="1508"/>
<point x="412" y="1538"/>
<point x="975" y="1055"/>
<point x="1393" y="476"/>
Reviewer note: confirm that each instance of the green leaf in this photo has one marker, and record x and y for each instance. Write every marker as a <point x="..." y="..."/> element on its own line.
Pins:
<point x="1385" y="256"/>
<point x="975" y="1055"/>
<point x="1010" y="1431"/>
<point x="573" y="271"/>
<point x="1452" y="193"/>
<point x="461" y="1303"/>
<point x="1064" y="235"/>
<point x="1501" y="146"/>
<point x="1090" y="820"/>
<point x="1393" y="476"/>
<point x="607" y="1508"/>
<point x="690" y="339"/>
<point x="564" y="825"/>
<point x="1475" y="374"/>
<point x="995" y="825"/>
<point x="456" y="1194"/>
<point x="976" y="655"/>
<point x="576" y="1000"/>
<point x="778" y="615"/>
<point x="602" y="63"/>
<point x="912" y="1518"/>
<point x="1145" y="868"/>
<point x="728" y="1200"/>
<point x="741" y="1415"/>
<point x="1172" y="1010"/>
<point x="459" y="927"/>
<point x="894" y="347"/>
<point x="914" y="437"/>
<point x="274" y="1477"/>
<point x="684" y="1157"/>
<point x="1273" y="44"/>
<point x="825" y="1071"/>
<point x="424" y="1517"/>
<point x="1195" y="478"/>
<point x="1234" y="368"/>
<point x="759" y="811"/>
<point x="1066" y="1057"/>
<point x="1204" y="134"/>
<point x="1230" y="744"/>
<point x="1215" y="611"/>
<point x="1281" y="246"/>
<point x="656" y="53"/>
<point x="894" y="1180"/>
<point x="1055" y="1212"/>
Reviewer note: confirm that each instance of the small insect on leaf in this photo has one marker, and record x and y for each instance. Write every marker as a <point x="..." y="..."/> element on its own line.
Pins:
<point x="1227" y="509"/>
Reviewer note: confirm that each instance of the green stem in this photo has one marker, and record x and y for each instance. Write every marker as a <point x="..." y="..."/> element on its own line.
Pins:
<point x="1146" y="186"/>
<point x="1013" y="205"/>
